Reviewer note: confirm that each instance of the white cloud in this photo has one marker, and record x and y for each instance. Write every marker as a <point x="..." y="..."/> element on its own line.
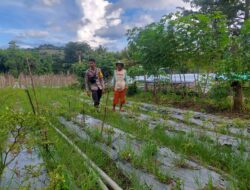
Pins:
<point x="96" y="17"/>
<point x="152" y="5"/>
<point x="26" y="33"/>
<point x="51" y="2"/>
<point x="33" y="34"/>
<point x="143" y="20"/>
<point x="25" y="46"/>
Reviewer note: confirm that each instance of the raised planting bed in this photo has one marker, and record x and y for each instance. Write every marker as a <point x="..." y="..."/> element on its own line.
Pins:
<point x="23" y="167"/>
<point x="144" y="178"/>
<point x="177" y="169"/>
<point x="225" y="125"/>
<point x="175" y="126"/>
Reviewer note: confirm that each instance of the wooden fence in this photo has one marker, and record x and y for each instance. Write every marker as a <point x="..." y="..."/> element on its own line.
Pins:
<point x="49" y="80"/>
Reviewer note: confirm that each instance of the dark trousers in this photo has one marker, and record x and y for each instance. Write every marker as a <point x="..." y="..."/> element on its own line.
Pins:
<point x="96" y="95"/>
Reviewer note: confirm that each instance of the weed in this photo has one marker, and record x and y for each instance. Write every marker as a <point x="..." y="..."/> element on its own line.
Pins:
<point x="239" y="123"/>
<point x="149" y="150"/>
<point x="180" y="162"/>
<point x="163" y="177"/>
<point x="187" y="116"/>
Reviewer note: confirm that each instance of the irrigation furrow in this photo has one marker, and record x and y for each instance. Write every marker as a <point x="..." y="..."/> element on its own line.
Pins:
<point x="190" y="173"/>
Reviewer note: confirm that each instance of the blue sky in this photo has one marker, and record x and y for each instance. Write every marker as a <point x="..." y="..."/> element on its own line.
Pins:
<point x="97" y="22"/>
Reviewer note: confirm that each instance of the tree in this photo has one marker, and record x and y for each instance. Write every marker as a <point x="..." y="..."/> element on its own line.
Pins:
<point x="73" y="50"/>
<point x="201" y="39"/>
<point x="3" y="59"/>
<point x="12" y="45"/>
<point x="147" y="48"/>
<point x="236" y="64"/>
<point x="236" y="11"/>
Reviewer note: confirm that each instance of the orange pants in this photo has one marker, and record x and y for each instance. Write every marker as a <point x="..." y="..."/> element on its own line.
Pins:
<point x="119" y="96"/>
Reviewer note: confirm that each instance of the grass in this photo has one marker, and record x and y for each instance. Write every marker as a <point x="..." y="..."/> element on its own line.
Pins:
<point x="99" y="158"/>
<point x="221" y="127"/>
<point x="192" y="102"/>
<point x="222" y="158"/>
<point x="56" y="102"/>
<point x="146" y="160"/>
<point x="66" y="168"/>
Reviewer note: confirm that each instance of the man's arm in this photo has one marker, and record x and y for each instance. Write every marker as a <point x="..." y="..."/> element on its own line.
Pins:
<point x="101" y="79"/>
<point x="126" y="79"/>
<point x="87" y="82"/>
<point x="114" y="80"/>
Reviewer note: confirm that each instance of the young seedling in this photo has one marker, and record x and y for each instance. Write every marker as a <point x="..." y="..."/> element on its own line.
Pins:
<point x="187" y="116"/>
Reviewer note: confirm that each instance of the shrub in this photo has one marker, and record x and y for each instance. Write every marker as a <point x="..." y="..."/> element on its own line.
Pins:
<point x="132" y="90"/>
<point x="219" y="91"/>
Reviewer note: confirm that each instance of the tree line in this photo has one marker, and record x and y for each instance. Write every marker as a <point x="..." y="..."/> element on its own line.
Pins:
<point x="215" y="38"/>
<point x="47" y="58"/>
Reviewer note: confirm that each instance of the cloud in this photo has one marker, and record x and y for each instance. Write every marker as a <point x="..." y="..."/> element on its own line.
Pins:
<point x="97" y="22"/>
<point x="102" y="22"/>
<point x="140" y="21"/>
<point x="113" y="32"/>
<point x="24" y="46"/>
<point x="151" y="5"/>
<point x="51" y="2"/>
<point x="19" y="33"/>
<point x="33" y="34"/>
<point x="97" y="15"/>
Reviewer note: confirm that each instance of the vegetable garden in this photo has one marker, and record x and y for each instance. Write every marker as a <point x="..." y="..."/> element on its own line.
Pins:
<point x="173" y="135"/>
<point x="67" y="143"/>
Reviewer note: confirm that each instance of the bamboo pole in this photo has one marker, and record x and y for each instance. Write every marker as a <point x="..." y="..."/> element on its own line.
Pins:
<point x="102" y="174"/>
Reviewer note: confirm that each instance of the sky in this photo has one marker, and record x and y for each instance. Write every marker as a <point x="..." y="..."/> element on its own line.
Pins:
<point x="98" y="22"/>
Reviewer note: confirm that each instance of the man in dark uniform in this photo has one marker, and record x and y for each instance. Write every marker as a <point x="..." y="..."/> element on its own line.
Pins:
<point x="94" y="82"/>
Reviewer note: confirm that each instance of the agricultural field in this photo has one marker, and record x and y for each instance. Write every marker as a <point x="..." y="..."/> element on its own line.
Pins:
<point x="183" y="67"/>
<point x="55" y="139"/>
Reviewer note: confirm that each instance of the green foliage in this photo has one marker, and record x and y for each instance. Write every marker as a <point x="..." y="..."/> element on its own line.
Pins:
<point x="219" y="91"/>
<point x="132" y="89"/>
<point x="51" y="59"/>
<point x="229" y="8"/>
<point x="57" y="179"/>
<point x="146" y="46"/>
<point x="135" y="71"/>
<point x="80" y="70"/>
<point x="75" y="49"/>
<point x="149" y="150"/>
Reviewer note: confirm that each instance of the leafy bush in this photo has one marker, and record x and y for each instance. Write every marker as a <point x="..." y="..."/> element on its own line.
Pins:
<point x="79" y="70"/>
<point x="219" y="91"/>
<point x="132" y="90"/>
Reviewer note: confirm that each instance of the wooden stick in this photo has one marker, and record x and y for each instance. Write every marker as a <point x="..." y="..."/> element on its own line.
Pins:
<point x="32" y="84"/>
<point x="105" y="111"/>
